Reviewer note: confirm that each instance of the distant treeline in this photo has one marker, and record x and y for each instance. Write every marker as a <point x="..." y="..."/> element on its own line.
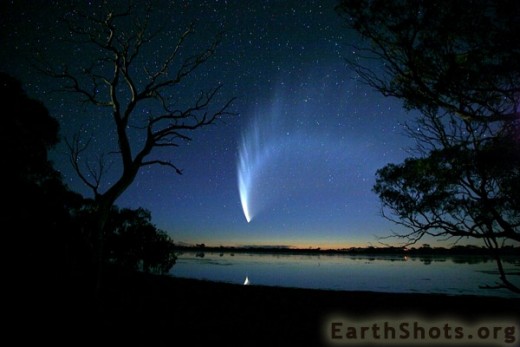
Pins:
<point x="424" y="250"/>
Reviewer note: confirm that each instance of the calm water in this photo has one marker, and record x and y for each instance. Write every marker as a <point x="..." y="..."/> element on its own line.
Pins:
<point x="448" y="275"/>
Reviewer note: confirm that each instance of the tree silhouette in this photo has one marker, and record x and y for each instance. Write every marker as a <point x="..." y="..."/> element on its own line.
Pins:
<point x="28" y="132"/>
<point x="456" y="56"/>
<point x="36" y="198"/>
<point x="36" y="214"/>
<point x="452" y="61"/>
<point x="134" y="243"/>
<point x="466" y="184"/>
<point x="112" y="80"/>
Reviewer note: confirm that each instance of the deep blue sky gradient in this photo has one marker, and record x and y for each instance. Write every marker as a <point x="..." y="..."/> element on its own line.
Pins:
<point x="285" y="63"/>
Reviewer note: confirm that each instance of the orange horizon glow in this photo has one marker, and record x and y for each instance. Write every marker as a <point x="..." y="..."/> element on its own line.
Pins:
<point x="323" y="245"/>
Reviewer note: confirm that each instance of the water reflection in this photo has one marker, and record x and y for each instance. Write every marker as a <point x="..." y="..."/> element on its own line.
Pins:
<point x="443" y="274"/>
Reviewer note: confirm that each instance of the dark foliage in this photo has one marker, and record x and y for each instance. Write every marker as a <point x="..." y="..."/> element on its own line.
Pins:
<point x="457" y="56"/>
<point x="454" y="62"/>
<point x="110" y="78"/>
<point x="28" y="131"/>
<point x="51" y="228"/>
<point x="465" y="184"/>
<point x="456" y="192"/>
<point x="38" y="202"/>
<point x="134" y="243"/>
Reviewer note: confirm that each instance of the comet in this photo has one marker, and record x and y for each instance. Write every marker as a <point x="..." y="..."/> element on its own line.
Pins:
<point x="253" y="153"/>
<point x="279" y="145"/>
<point x="244" y="182"/>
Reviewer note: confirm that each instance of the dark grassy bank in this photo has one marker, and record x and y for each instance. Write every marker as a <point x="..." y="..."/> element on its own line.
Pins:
<point x="147" y="310"/>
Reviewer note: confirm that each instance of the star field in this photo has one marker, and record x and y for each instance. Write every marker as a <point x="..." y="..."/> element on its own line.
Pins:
<point x="282" y="60"/>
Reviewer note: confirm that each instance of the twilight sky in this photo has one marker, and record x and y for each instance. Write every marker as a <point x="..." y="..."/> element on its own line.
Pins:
<point x="308" y="138"/>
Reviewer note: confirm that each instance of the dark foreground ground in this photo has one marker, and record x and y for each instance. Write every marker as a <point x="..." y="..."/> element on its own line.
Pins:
<point x="141" y="310"/>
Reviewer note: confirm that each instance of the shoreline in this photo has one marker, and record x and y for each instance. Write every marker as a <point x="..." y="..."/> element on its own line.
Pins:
<point x="402" y="274"/>
<point x="153" y="310"/>
<point x="232" y="314"/>
<point x="330" y="291"/>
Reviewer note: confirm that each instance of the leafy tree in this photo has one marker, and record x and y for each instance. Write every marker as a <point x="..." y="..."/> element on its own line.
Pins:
<point x="466" y="185"/>
<point x="457" y="56"/>
<point x="453" y="61"/>
<point x="134" y="243"/>
<point x="46" y="251"/>
<point x="121" y="76"/>
<point x="28" y="132"/>
<point x="36" y="199"/>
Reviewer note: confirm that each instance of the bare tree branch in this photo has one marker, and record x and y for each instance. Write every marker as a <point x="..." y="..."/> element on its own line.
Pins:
<point x="162" y="163"/>
<point x="110" y="81"/>
<point x="75" y="151"/>
<point x="117" y="41"/>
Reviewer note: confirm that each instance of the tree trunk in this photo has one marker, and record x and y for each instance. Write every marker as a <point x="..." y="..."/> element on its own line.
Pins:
<point x="502" y="273"/>
<point x="493" y="245"/>
<point x="102" y="213"/>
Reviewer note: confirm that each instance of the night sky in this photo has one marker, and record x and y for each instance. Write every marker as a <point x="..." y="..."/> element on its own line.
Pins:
<point x="310" y="135"/>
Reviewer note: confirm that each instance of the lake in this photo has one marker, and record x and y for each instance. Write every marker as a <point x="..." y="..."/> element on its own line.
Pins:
<point x="418" y="274"/>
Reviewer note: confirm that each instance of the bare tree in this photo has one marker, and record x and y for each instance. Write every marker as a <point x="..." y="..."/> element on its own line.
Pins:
<point x="113" y="81"/>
